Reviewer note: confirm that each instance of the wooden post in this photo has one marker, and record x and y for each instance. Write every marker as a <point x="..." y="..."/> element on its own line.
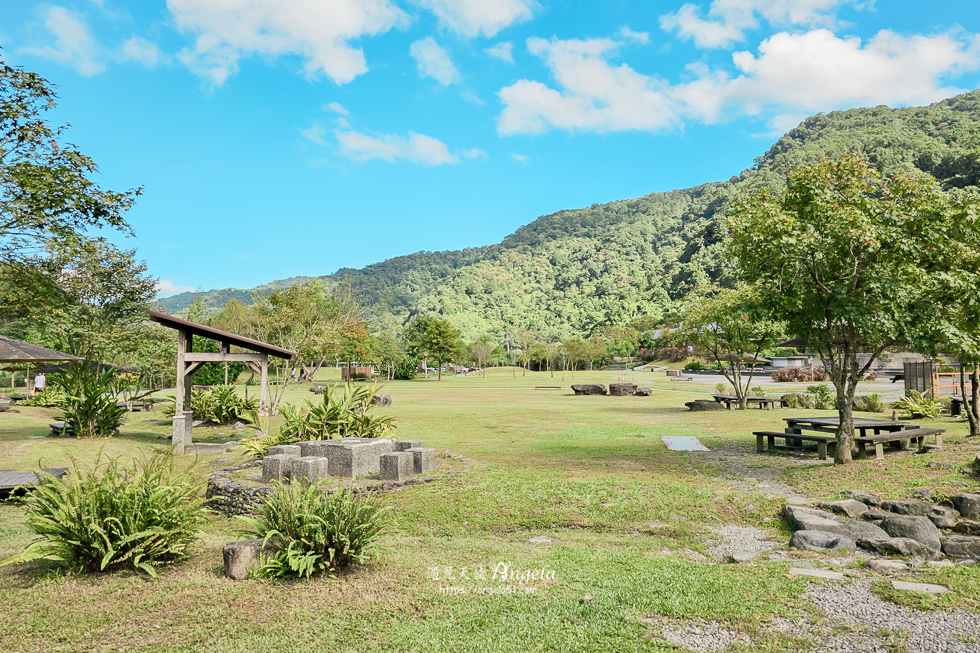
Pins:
<point x="177" y="434"/>
<point x="264" y="393"/>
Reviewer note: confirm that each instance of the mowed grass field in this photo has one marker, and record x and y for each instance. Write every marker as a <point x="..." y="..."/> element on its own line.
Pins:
<point x="627" y="519"/>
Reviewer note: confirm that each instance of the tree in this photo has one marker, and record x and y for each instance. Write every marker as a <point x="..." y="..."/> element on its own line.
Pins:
<point x="46" y="192"/>
<point x="525" y="339"/>
<point x="433" y="337"/>
<point x="481" y="350"/>
<point x="840" y="257"/>
<point x="730" y="326"/>
<point x="574" y="350"/>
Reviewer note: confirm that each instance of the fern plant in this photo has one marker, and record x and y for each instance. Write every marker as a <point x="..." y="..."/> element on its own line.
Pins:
<point x="110" y="516"/>
<point x="917" y="406"/>
<point x="89" y="400"/>
<point x="315" y="532"/>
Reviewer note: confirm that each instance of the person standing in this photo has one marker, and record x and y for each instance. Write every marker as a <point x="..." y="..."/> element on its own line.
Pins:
<point x="40" y="382"/>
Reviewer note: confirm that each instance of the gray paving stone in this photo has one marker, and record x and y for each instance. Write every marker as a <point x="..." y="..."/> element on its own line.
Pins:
<point x="816" y="573"/>
<point x="920" y="587"/>
<point x="358" y="456"/>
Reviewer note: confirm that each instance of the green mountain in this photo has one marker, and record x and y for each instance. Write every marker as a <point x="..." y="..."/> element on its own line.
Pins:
<point x="576" y="271"/>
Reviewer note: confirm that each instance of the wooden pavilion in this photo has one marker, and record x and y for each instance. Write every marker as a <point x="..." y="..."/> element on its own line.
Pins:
<point x="188" y="360"/>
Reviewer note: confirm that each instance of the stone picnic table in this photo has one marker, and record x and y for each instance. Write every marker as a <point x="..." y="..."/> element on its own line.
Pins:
<point x="764" y="403"/>
<point x="897" y="434"/>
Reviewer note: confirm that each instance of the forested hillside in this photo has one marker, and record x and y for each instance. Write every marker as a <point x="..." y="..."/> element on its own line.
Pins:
<point x="574" y="272"/>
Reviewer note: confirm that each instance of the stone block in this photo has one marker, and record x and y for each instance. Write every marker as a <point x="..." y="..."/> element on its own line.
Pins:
<point x="915" y="527"/>
<point x="240" y="557"/>
<point x="351" y="457"/>
<point x="424" y="459"/>
<point x="810" y="519"/>
<point x="868" y="498"/>
<point x="276" y="468"/>
<point x="622" y="389"/>
<point x="309" y="469"/>
<point x="920" y="508"/>
<point x="404" y="445"/>
<point x="177" y="435"/>
<point x="961" y="546"/>
<point x="848" y="507"/>
<point x="397" y="465"/>
<point x="967" y="504"/>
<point x="292" y="450"/>
<point x="315" y="448"/>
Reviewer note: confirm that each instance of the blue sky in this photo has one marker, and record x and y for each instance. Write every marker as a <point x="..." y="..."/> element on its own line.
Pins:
<point x="277" y="138"/>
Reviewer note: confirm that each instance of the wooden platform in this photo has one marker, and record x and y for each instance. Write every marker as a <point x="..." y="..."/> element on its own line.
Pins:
<point x="10" y="479"/>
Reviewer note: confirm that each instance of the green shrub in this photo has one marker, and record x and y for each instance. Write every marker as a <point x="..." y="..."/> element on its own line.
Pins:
<point x="672" y="354"/>
<point x="111" y="517"/>
<point x="917" y="406"/>
<point x="823" y="398"/>
<point x="695" y="365"/>
<point x="315" y="532"/>
<point x="220" y="405"/>
<point x="89" y="406"/>
<point x="406" y="368"/>
<point x="337" y="415"/>
<point x="875" y="404"/>
<point x="48" y="398"/>
<point x="720" y="388"/>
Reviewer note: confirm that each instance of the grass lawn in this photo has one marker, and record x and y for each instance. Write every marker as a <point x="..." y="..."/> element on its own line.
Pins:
<point x="629" y="521"/>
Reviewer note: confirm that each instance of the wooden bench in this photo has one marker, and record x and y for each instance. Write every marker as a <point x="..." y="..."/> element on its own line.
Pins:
<point x="764" y="403"/>
<point x="899" y="438"/>
<point x="824" y="442"/>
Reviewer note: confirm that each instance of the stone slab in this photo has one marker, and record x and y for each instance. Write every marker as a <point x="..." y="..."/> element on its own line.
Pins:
<point x="683" y="443"/>
<point x="816" y="573"/>
<point x="276" y="468"/>
<point x="397" y="465"/>
<point x="309" y="469"/>
<point x="293" y="450"/>
<point x="358" y="456"/>
<point x="402" y="445"/>
<point x="424" y="459"/>
<point x="920" y="587"/>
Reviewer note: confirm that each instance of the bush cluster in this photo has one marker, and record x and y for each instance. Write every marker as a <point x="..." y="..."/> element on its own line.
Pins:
<point x="672" y="354"/>
<point x="799" y="374"/>
<point x="220" y="405"/>
<point x="314" y="532"/>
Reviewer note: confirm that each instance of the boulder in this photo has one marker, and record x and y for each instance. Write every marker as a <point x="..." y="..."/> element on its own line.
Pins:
<point x="240" y="557"/>
<point x="967" y="504"/>
<point x="876" y="515"/>
<point x="316" y="389"/>
<point x="869" y="498"/>
<point x="622" y="389"/>
<point x="885" y="566"/>
<point x="961" y="546"/>
<point x="381" y="399"/>
<point x="810" y="519"/>
<point x="907" y="507"/>
<point x="902" y="546"/>
<point x="644" y="392"/>
<point x="822" y="541"/>
<point x="914" y="527"/>
<point x="857" y="530"/>
<point x="847" y="507"/>
<point x="589" y="388"/>
<point x="705" y="404"/>
<point x="968" y="527"/>
<point x="923" y="493"/>
<point x="944" y="516"/>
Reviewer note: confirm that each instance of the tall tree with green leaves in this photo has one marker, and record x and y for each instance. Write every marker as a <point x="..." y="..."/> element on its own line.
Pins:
<point x="841" y="256"/>
<point x="433" y="337"/>
<point x="730" y="326"/>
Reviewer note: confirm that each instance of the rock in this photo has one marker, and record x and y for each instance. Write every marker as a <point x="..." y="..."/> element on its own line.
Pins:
<point x="800" y="501"/>
<point x="857" y="530"/>
<point x="816" y="573"/>
<point x="381" y="399"/>
<point x="868" y="498"/>
<point x="644" y="392"/>
<point x="705" y="404"/>
<point x="941" y="564"/>
<point x="967" y="504"/>
<point x="848" y="507"/>
<point x="586" y="598"/>
<point x="742" y="556"/>
<point x="968" y="527"/>
<point x="919" y="587"/>
<point x="915" y="527"/>
<point x="316" y="389"/>
<point x="541" y="539"/>
<point x="907" y="507"/>
<point x="935" y="464"/>
<point x="821" y="541"/>
<point x="622" y="389"/>
<point x="877" y="515"/>
<point x="810" y="519"/>
<point x="929" y="448"/>
<point x="885" y="566"/>
<point x="589" y="388"/>
<point x="902" y="546"/>
<point x="240" y="557"/>
<point x="923" y="493"/>
<point x="961" y="546"/>
<point x="942" y="521"/>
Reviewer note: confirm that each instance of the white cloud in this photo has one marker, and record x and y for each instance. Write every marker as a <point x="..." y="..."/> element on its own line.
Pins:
<point x="418" y="148"/>
<point x="520" y="158"/>
<point x="790" y="75"/>
<point x="433" y="61"/>
<point x="166" y="288"/>
<point x="630" y="35"/>
<point x="142" y="51"/>
<point x="74" y="44"/>
<point x="314" y="133"/>
<point x="318" y="31"/>
<point x="475" y="17"/>
<point x="503" y="51"/>
<point x="336" y="107"/>
<point x="728" y="20"/>
<point x="474" y="154"/>
<point x="472" y="98"/>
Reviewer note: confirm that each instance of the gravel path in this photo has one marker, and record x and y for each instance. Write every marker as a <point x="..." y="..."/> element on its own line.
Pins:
<point x="740" y="539"/>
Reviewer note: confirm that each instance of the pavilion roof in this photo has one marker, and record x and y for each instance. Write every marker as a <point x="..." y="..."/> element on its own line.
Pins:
<point x="225" y="337"/>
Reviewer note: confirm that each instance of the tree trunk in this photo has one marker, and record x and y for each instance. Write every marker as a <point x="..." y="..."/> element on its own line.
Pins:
<point x="440" y="371"/>
<point x="970" y="405"/>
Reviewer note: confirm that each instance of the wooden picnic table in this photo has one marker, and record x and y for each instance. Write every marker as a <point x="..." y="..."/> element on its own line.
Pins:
<point x="897" y="434"/>
<point x="764" y="403"/>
